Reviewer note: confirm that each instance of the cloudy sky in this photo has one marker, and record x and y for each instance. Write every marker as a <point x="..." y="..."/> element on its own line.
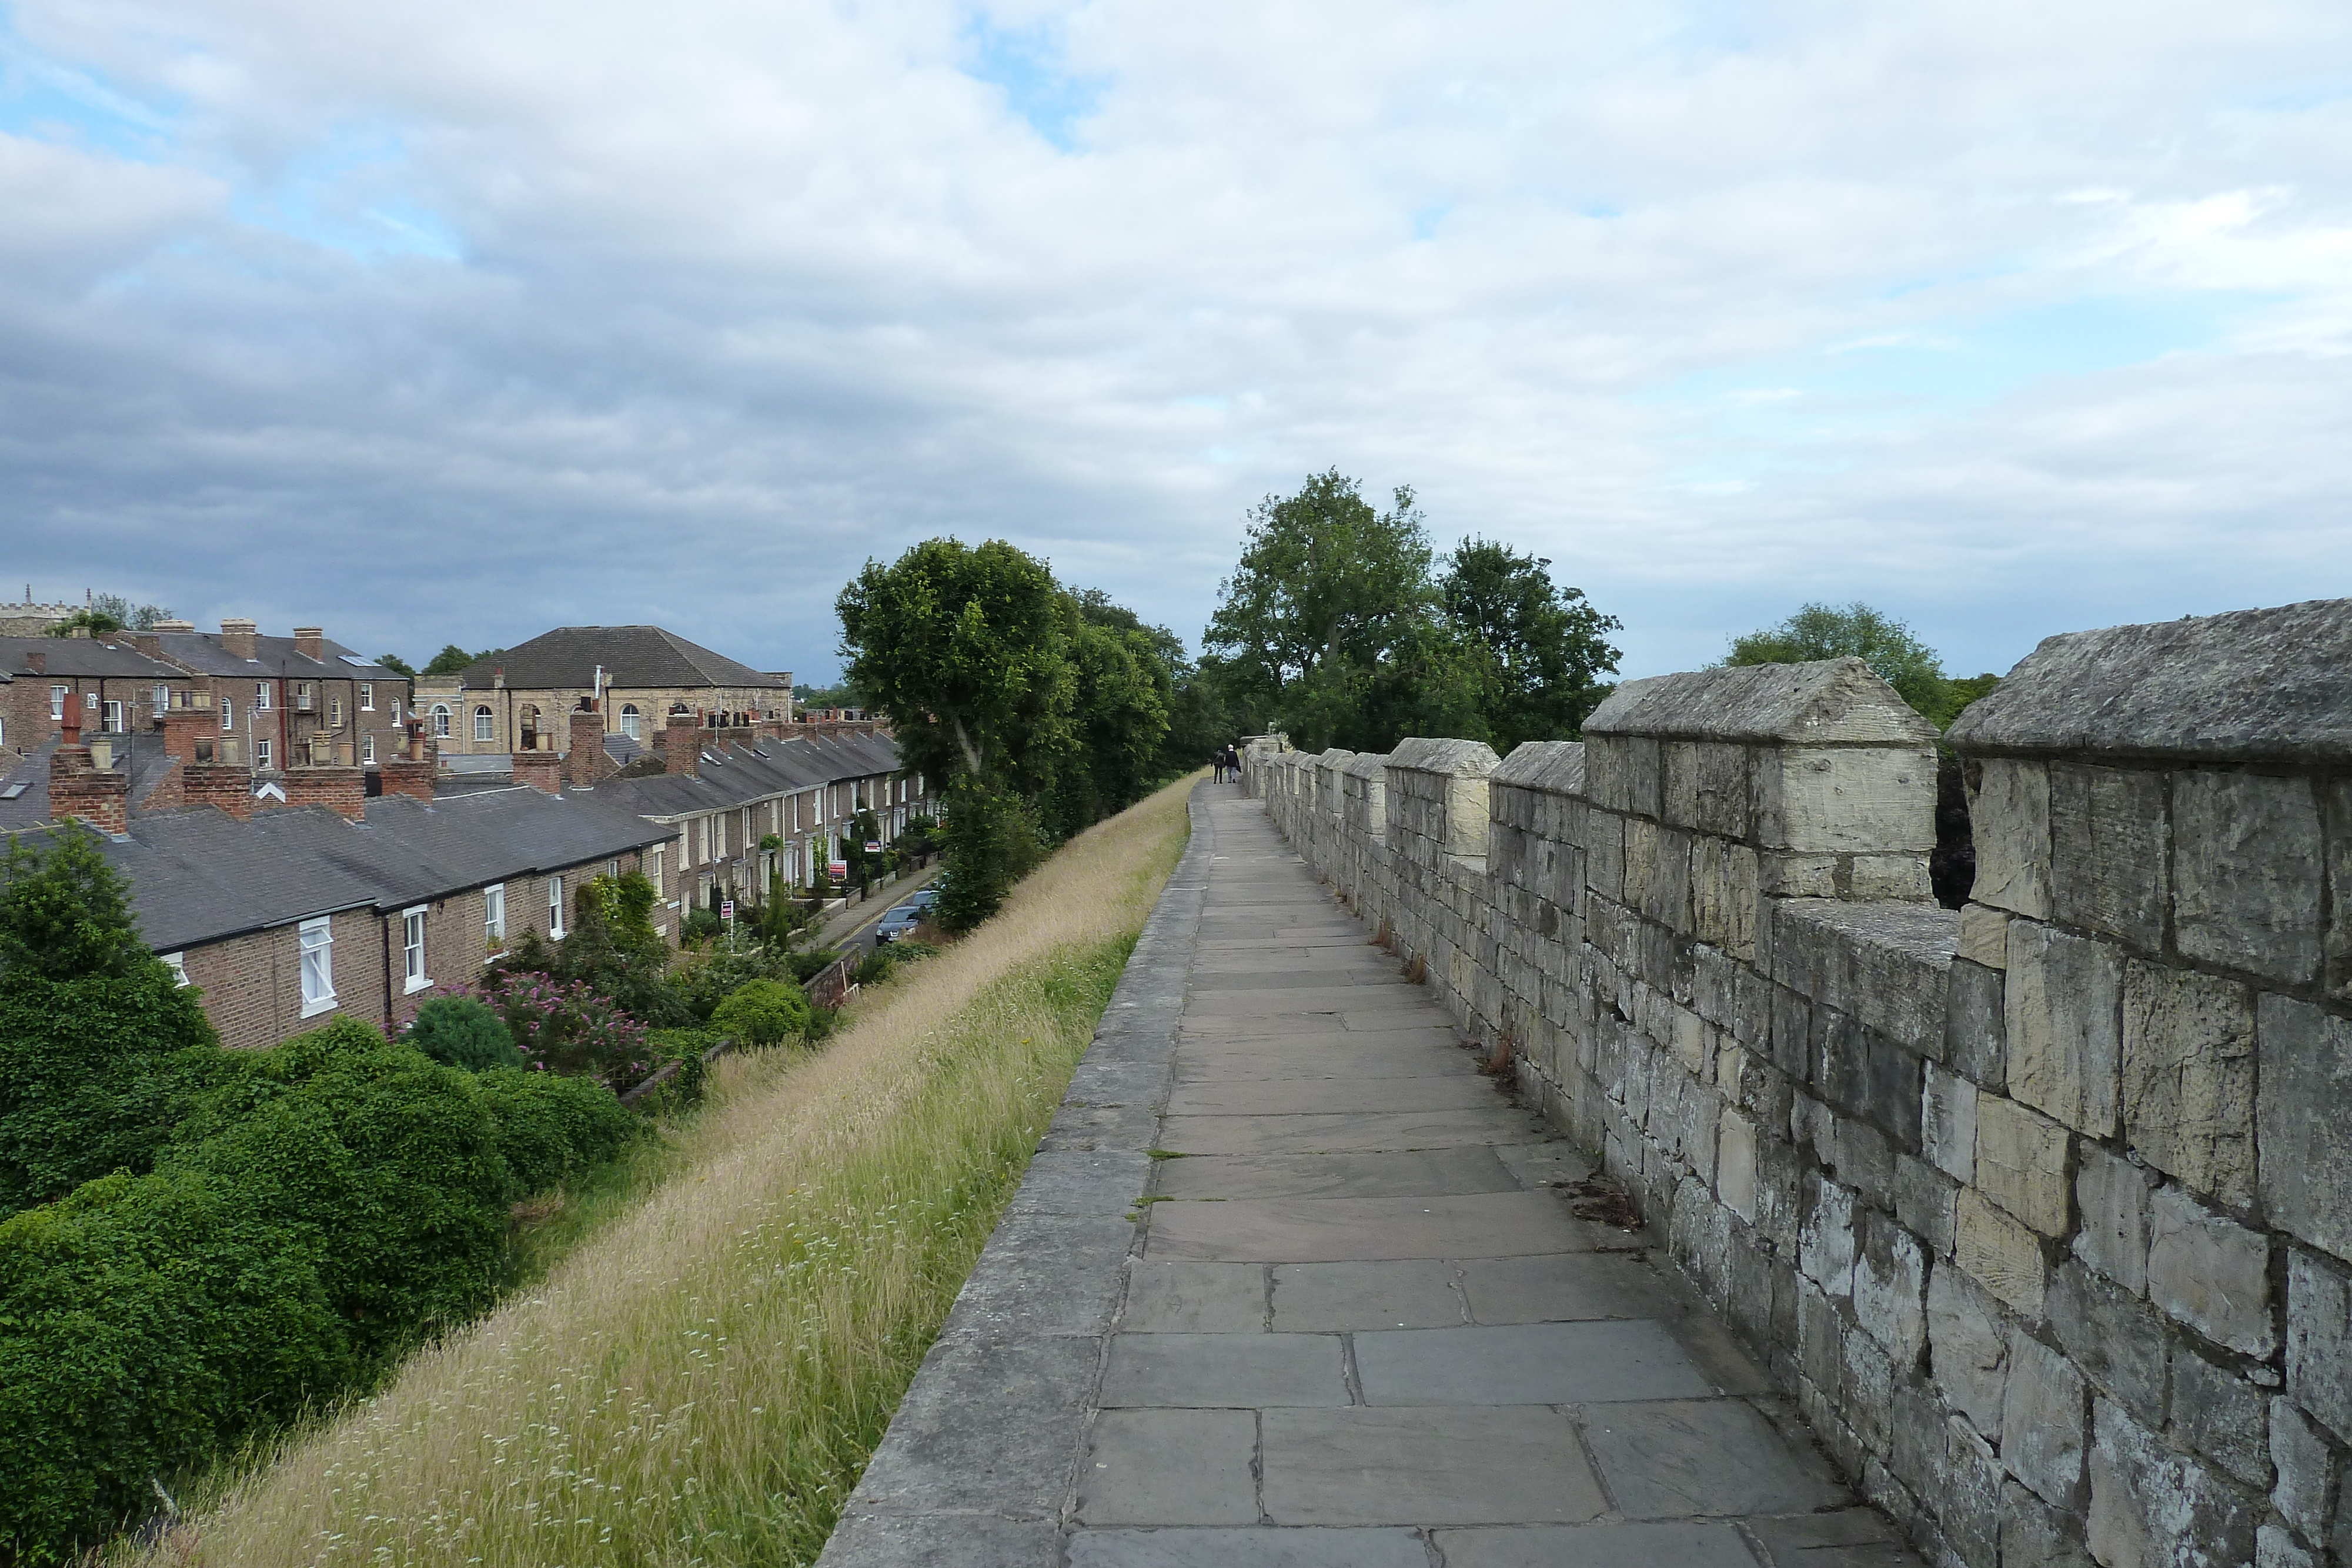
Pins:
<point x="455" y="321"/>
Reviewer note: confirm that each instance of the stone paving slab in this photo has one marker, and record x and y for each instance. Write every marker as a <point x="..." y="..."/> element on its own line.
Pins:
<point x="1341" y="1229"/>
<point x="1290" y="1285"/>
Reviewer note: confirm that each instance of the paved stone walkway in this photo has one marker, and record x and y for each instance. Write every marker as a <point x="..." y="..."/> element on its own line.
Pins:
<point x="1360" y="1325"/>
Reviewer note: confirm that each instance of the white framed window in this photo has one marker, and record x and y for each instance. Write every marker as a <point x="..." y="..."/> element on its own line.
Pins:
<point x="89" y="702"/>
<point x="613" y="869"/>
<point x="317" y="967"/>
<point x="633" y="722"/>
<point x="395" y="710"/>
<point x="411" y="948"/>
<point x="261" y="752"/>
<point x="702" y="841"/>
<point x="718" y="836"/>
<point x="57" y="695"/>
<point x="440" y="721"/>
<point x="494" y="913"/>
<point x="228" y="713"/>
<point x="335" y="712"/>
<point x="114" y="717"/>
<point x="556" y="907"/>
<point x="485" y="725"/>
<point x="367" y="696"/>
<point x="303" y="695"/>
<point x="178" y="963"/>
<point x="261" y="697"/>
<point x="163" y="699"/>
<point x="654" y="870"/>
<point x="367" y="750"/>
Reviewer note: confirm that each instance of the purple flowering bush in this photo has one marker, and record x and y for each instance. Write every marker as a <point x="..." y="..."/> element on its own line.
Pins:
<point x="567" y="1027"/>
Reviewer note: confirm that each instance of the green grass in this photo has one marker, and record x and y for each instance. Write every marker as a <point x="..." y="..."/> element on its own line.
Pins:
<point x="716" y="1332"/>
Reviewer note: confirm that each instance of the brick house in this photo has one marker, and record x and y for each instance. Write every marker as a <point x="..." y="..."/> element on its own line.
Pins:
<point x="522" y="699"/>
<point x="284" y="702"/>
<point x="333" y="905"/>
<point x="111" y="686"/>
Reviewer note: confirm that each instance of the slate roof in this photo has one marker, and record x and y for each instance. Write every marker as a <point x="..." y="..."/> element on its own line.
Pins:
<point x="203" y="652"/>
<point x="735" y="775"/>
<point x="29" y="808"/>
<point x="84" y="657"/>
<point x="631" y="656"/>
<point x="201" y="875"/>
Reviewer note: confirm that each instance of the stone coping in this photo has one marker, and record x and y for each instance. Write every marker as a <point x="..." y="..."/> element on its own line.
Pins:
<point x="1830" y="702"/>
<point x="980" y="1464"/>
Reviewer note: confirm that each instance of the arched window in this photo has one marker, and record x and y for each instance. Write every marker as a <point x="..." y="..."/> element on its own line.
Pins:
<point x="440" y="721"/>
<point x="486" y="726"/>
<point x="631" y="722"/>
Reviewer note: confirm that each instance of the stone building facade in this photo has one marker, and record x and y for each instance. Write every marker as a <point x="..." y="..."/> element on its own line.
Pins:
<point x="522" y="699"/>
<point x="2041" y="1208"/>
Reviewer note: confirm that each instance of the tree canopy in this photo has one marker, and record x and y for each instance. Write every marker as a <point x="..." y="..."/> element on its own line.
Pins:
<point x="1893" y="653"/>
<point x="1337" y="628"/>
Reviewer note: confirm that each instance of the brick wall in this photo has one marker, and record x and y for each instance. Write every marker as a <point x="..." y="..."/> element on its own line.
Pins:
<point x="2042" y="1209"/>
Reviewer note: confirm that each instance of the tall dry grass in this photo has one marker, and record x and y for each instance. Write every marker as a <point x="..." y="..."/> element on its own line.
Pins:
<point x="701" y="1382"/>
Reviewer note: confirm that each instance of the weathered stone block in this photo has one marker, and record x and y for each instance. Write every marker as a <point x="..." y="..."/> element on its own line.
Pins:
<point x="2247" y="860"/>
<point x="2307" y="1143"/>
<point x="2336" y="807"/>
<point x="2113" y="1193"/>
<point x="1604" y="853"/>
<point x="2149" y="1505"/>
<point x="2108" y="841"/>
<point x="1947" y="1124"/>
<point x="2319" y="1339"/>
<point x="1846" y="799"/>
<point x="2209" y="1272"/>
<point x="2224" y="1418"/>
<point x="1735" y="1165"/>
<point x="1969" y="1506"/>
<point x="2044" y="1421"/>
<point x="2309" y="1471"/>
<point x="1968" y="1340"/>
<point x="1890" y="1283"/>
<point x="1780" y="874"/>
<point x="2116" y="1340"/>
<point x="1998" y="1253"/>
<point x="2020" y="1162"/>
<point x="1657" y="873"/>
<point x="1723" y="894"/>
<point x="2036" y="1534"/>
<point x="1923" y="1202"/>
<point x="1984" y="937"/>
<point x="2008" y="816"/>
<point x="2274" y="1548"/>
<point x="2064" y="1005"/>
<point x="2189" y="1078"/>
<point x="1872" y="1078"/>
<point x="1975" y="1031"/>
<point x="1825" y="1244"/>
<point x="1792" y="1034"/>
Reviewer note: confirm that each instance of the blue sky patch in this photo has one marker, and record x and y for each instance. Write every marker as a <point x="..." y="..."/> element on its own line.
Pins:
<point x="1027" y="63"/>
<point x="51" y="101"/>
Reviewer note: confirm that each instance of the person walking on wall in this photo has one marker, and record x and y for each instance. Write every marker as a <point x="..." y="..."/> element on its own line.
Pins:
<point x="1230" y="764"/>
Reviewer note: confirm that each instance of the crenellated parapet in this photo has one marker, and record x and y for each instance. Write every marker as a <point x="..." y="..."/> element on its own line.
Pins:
<point x="2039" y="1208"/>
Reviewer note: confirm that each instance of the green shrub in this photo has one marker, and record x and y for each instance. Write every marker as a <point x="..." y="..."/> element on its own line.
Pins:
<point x="552" y="1127"/>
<point x="389" y="1160"/>
<point x="762" y="1012"/>
<point x="460" y="1032"/>
<point x="806" y="966"/>
<point x="144" y="1323"/>
<point x="992" y="841"/>
<point x="705" y="979"/>
<point x="700" y="926"/>
<point x="101" y="1047"/>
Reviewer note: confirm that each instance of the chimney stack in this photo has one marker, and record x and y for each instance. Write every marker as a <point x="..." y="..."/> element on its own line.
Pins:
<point x="236" y="635"/>
<point x="310" y="641"/>
<point x="37" y="662"/>
<point x="227" y="785"/>
<point x="412" y="775"/>
<point x="542" y="770"/>
<point x="682" y="745"/>
<point x="100" y="797"/>
<point x="587" y="764"/>
<point x="175" y="625"/>
<point x="342" y="789"/>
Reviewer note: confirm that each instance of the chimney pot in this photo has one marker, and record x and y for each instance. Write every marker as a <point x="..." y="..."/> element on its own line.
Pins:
<point x="310" y="641"/>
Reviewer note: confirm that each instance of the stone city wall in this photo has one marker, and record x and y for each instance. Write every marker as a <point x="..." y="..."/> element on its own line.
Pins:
<point x="2041" y="1207"/>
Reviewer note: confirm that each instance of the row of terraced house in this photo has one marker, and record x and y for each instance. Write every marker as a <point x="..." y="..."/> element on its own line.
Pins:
<point x="309" y="834"/>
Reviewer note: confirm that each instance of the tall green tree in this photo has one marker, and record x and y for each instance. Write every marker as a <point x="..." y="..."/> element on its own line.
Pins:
<point x="1892" y="649"/>
<point x="966" y="650"/>
<point x="1545" y="648"/>
<point x="100" y="1046"/>
<point x="1325" y="590"/>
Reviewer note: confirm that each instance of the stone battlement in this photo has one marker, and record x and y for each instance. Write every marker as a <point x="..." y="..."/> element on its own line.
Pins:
<point x="2042" y="1209"/>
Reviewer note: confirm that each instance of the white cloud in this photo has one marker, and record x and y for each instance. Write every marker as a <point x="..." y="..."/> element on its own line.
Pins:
<point x="448" y="321"/>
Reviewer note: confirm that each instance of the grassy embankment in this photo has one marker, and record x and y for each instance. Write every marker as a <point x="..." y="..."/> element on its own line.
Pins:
<point x="701" y="1381"/>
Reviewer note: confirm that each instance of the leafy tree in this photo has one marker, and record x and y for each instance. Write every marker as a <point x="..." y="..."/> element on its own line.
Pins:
<point x="396" y="665"/>
<point x="1543" y="645"/>
<point x="100" y="1046"/>
<point x="1325" y="590"/>
<point x="966" y="650"/>
<point x="1893" y="653"/>
<point x="762" y="1012"/>
<point x="1124" y="688"/>
<point x="992" y="839"/>
<point x="611" y="948"/>
<point x="452" y="659"/>
<point x="95" y="621"/>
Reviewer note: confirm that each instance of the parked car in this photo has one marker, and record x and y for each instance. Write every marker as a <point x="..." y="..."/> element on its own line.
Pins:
<point x="900" y="920"/>
<point x="923" y="898"/>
